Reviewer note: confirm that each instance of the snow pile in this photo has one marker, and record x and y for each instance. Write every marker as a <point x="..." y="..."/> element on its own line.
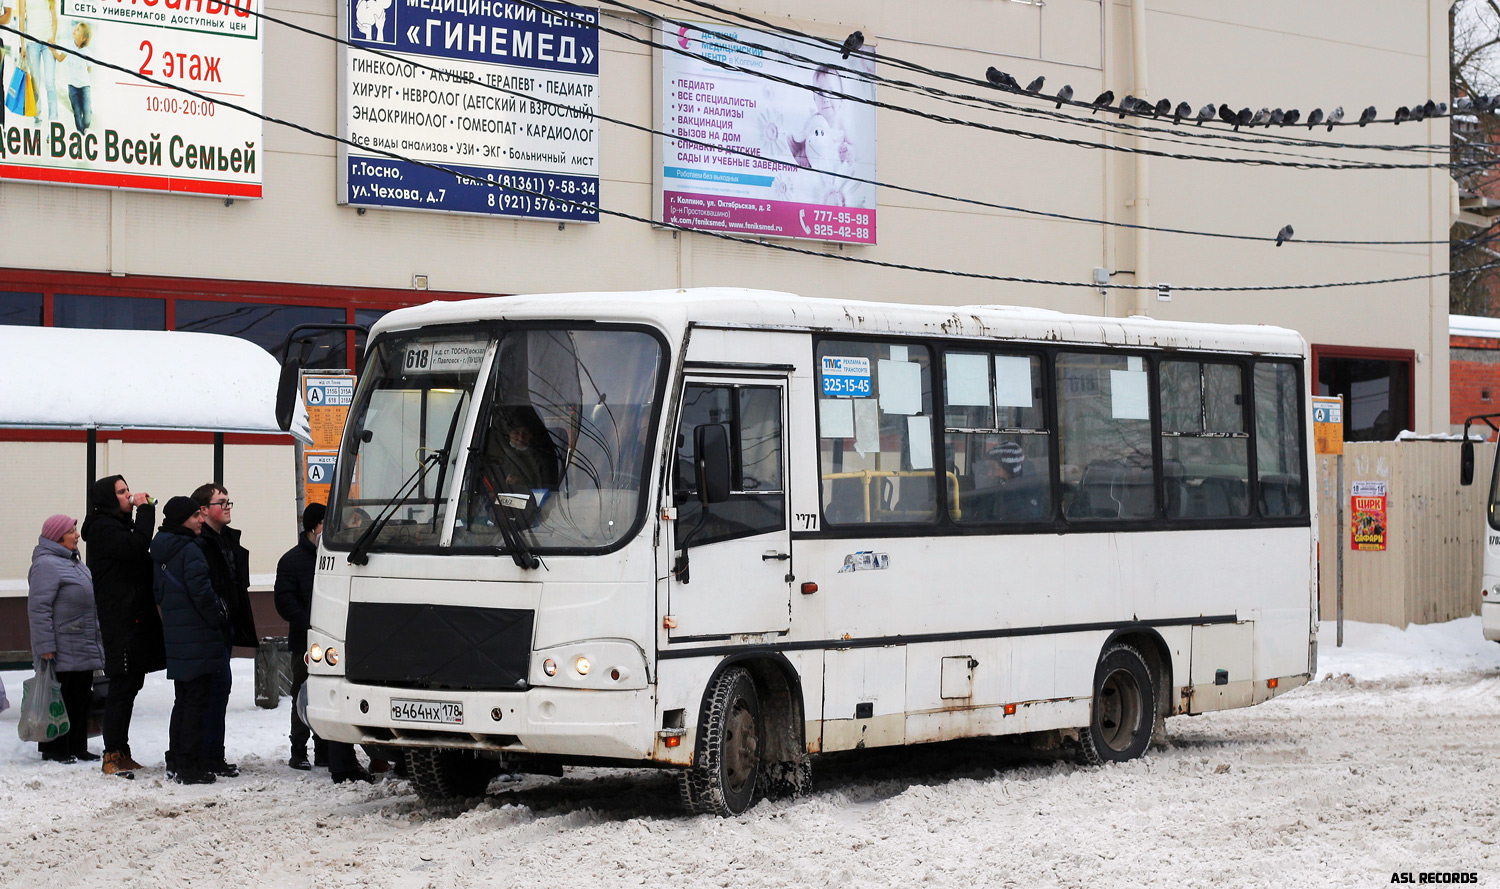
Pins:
<point x="1389" y="767"/>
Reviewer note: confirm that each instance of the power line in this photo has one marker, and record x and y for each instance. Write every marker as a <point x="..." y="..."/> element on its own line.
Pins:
<point x="454" y="76"/>
<point x="757" y="242"/>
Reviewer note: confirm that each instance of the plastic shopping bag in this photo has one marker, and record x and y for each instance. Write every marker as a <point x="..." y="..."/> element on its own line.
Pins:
<point x="16" y="91"/>
<point x="43" y="716"/>
<point x="4" y="701"/>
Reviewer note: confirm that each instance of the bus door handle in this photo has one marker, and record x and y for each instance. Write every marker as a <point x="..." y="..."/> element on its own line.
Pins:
<point x="780" y="557"/>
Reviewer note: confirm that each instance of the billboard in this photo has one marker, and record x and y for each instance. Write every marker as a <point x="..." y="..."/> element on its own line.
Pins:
<point x="529" y="123"/>
<point x="85" y="124"/>
<point x="790" y="147"/>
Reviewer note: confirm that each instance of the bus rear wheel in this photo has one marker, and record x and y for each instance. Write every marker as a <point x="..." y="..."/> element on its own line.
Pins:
<point x="1124" y="708"/>
<point x="726" y="763"/>
<point x="447" y="775"/>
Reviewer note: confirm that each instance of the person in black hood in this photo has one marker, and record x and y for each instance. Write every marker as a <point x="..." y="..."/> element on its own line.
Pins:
<point x="229" y="568"/>
<point x="119" y="557"/>
<point x="195" y="623"/>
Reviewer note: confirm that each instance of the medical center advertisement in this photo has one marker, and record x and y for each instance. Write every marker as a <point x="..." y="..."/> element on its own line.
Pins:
<point x="71" y="120"/>
<point x="504" y="95"/>
<point x="747" y="153"/>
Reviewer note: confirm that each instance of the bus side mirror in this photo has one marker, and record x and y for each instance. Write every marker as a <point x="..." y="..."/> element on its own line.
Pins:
<point x="1466" y="464"/>
<point x="711" y="444"/>
<point x="286" y="392"/>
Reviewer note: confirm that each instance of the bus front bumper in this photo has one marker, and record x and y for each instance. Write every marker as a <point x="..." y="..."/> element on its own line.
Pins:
<point x="556" y="721"/>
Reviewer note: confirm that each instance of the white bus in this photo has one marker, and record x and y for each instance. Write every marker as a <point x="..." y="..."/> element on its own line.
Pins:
<point x="1489" y="590"/>
<point x="720" y="531"/>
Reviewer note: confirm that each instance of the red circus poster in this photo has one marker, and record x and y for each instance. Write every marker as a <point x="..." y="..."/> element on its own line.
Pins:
<point x="1367" y="507"/>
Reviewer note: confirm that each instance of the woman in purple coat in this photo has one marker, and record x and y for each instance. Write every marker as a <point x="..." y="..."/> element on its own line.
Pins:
<point x="65" y="630"/>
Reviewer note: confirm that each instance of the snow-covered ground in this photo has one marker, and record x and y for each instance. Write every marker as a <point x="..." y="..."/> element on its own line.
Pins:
<point x="1389" y="763"/>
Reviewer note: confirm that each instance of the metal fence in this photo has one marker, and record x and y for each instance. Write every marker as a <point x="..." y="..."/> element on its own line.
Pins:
<point x="1430" y="568"/>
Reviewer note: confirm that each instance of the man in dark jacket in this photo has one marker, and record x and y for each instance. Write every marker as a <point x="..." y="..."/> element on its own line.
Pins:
<point x="294" y="590"/>
<point x="119" y="557"/>
<point x="229" y="569"/>
<point x="196" y="627"/>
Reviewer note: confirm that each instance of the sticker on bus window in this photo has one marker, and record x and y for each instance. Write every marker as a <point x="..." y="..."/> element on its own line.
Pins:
<point x="443" y="358"/>
<point x="865" y="560"/>
<point x="846" y="377"/>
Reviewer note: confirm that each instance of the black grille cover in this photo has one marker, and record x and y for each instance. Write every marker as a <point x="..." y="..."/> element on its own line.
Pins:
<point x="438" y="646"/>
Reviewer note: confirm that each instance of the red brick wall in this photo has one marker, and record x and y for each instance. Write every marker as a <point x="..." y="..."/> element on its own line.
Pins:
<point x="1473" y="371"/>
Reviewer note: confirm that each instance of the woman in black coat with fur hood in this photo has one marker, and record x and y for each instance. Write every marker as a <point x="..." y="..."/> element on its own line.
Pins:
<point x="119" y="556"/>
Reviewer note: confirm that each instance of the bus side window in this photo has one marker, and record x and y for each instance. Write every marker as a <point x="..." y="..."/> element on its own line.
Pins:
<point x="1278" y="439"/>
<point x="1104" y="436"/>
<point x="751" y="415"/>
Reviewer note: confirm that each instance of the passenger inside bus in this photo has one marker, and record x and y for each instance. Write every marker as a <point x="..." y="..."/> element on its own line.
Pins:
<point x="1004" y="488"/>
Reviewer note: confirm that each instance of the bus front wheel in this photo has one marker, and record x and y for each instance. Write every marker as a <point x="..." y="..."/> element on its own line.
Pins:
<point x="446" y="775"/>
<point x="1124" y="708"/>
<point x="726" y="764"/>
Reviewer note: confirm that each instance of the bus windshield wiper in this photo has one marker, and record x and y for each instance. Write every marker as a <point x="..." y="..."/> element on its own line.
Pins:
<point x="500" y="506"/>
<point x="359" y="554"/>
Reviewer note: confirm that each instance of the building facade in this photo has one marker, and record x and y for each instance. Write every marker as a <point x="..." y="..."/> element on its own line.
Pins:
<point x="1046" y="193"/>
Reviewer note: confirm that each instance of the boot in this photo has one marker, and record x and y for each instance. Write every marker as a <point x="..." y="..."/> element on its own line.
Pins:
<point x="299" y="761"/>
<point x="128" y="762"/>
<point x="114" y="764"/>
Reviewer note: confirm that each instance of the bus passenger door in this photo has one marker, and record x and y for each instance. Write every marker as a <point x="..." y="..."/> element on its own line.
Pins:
<point x="732" y="564"/>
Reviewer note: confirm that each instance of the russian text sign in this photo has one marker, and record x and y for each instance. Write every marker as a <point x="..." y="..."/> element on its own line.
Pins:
<point x="1328" y="424"/>
<point x="514" y="100"/>
<point x="792" y="147"/>
<point x="97" y="126"/>
<point x="1367" y="509"/>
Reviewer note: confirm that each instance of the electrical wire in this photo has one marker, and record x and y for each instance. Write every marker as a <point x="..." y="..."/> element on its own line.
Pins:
<point x="758" y="242"/>
<point x="454" y="76"/>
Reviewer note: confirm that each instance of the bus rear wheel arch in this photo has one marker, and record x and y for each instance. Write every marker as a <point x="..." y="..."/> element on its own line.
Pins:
<point x="1125" y="710"/>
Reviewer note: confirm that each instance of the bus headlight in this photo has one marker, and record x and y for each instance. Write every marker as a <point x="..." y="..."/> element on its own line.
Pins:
<point x="612" y="664"/>
<point x="332" y="656"/>
<point x="316" y="652"/>
<point x="582" y="666"/>
<point x="549" y="666"/>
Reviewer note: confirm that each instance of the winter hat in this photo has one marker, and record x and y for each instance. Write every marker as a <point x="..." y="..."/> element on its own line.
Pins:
<point x="178" y="510"/>
<point x="312" y="516"/>
<point x="56" y="526"/>
<point x="1010" y="456"/>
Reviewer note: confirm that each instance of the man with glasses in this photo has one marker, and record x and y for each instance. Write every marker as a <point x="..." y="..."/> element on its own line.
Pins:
<point x="229" y="570"/>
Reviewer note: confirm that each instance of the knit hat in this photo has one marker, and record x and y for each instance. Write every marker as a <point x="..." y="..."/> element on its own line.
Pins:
<point x="1010" y="455"/>
<point x="56" y="526"/>
<point x="178" y="510"/>
<point x="312" y="516"/>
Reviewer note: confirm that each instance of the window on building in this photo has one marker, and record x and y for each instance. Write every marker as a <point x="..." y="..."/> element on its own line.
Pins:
<point x="875" y="447"/>
<point x="1104" y="436"/>
<point x="267" y="325"/>
<point x="20" y="308"/>
<point x="1376" y="386"/>
<point x="109" y="312"/>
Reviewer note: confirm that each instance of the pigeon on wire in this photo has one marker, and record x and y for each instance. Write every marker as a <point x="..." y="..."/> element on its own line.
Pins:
<point x="1429" y="108"/>
<point x="1291" y="118"/>
<point x="1442" y="109"/>
<point x="1182" y="110"/>
<point x="1243" y="118"/>
<point x="1261" y="117"/>
<point x="1419" y="112"/>
<point x="1463" y="105"/>
<point x="1402" y="113"/>
<point x="1367" y="115"/>
<point x="1227" y="114"/>
<point x="1284" y="235"/>
<point x="1127" y="106"/>
<point x="852" y="43"/>
<point x="1337" y="116"/>
<point x="1000" y="80"/>
<point x="1163" y="107"/>
<point x="1102" y="100"/>
<point x="1315" y="118"/>
<point x="1035" y="86"/>
<point x="1064" y="95"/>
<point x="1278" y="117"/>
<point x="1207" y="112"/>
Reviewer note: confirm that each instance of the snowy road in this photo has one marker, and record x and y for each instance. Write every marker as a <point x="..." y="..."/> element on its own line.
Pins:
<point x="1392" y="768"/>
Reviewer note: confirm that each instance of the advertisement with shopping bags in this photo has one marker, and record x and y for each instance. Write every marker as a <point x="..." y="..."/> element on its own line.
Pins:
<point x="95" y="95"/>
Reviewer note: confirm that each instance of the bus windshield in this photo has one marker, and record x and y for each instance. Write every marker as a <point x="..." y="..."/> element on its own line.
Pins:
<point x="400" y="451"/>
<point x="557" y="460"/>
<point x="559" y="453"/>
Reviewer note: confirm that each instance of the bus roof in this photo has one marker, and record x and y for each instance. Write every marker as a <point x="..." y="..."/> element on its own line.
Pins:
<point x="765" y="309"/>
